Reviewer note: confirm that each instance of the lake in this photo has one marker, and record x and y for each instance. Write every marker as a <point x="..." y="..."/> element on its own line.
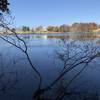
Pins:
<point x="18" y="81"/>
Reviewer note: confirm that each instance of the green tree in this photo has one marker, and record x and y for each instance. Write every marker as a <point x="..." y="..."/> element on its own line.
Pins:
<point x="53" y="28"/>
<point x="25" y="28"/>
<point x="50" y="28"/>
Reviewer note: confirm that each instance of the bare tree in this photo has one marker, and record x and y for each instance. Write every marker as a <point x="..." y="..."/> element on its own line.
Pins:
<point x="71" y="54"/>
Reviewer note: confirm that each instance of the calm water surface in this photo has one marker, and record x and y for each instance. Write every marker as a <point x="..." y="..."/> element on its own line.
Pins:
<point x="21" y="81"/>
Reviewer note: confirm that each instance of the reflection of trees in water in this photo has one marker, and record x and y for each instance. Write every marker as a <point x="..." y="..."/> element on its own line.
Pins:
<point x="74" y="36"/>
<point x="82" y="36"/>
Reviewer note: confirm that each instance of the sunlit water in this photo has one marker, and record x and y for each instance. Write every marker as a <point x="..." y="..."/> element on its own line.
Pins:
<point x="22" y="81"/>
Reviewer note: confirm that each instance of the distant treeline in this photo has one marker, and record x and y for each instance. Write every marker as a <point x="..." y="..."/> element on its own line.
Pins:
<point x="75" y="27"/>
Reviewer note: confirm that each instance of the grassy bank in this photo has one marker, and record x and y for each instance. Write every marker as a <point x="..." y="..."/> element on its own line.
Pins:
<point x="38" y="32"/>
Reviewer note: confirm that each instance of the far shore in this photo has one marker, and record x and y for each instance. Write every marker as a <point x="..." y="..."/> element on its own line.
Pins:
<point x="96" y="34"/>
<point x="38" y="32"/>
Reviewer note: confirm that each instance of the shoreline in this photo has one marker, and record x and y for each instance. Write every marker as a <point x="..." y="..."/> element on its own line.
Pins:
<point x="96" y="34"/>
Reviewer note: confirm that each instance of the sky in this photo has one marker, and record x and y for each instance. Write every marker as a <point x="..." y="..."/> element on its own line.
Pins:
<point x="54" y="12"/>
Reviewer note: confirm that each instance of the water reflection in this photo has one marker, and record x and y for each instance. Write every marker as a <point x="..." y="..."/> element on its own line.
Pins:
<point x="81" y="37"/>
<point x="50" y="53"/>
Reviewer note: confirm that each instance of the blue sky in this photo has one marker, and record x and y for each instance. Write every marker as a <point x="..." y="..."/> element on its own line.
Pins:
<point x="54" y="12"/>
